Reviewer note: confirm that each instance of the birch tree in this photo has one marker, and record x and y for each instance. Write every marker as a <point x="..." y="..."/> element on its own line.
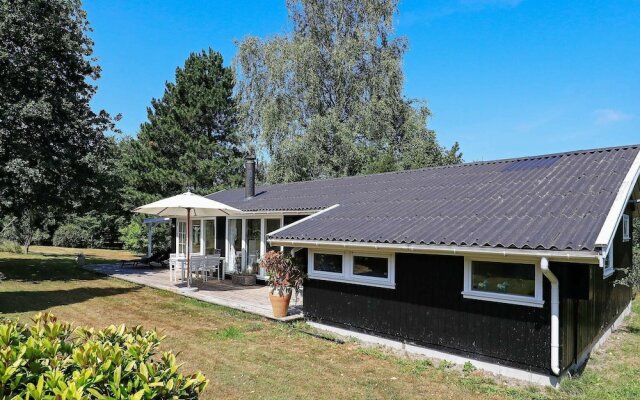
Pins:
<point x="326" y="99"/>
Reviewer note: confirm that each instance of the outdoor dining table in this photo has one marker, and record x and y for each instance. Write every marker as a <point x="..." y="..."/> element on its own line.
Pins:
<point x="182" y="261"/>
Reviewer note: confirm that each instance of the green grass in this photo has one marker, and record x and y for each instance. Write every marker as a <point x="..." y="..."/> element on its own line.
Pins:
<point x="247" y="356"/>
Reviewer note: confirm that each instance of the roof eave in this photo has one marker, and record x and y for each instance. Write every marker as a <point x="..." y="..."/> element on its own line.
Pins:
<point x="610" y="226"/>
<point x="577" y="256"/>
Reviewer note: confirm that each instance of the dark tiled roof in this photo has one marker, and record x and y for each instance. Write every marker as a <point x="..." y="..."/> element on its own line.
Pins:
<point x="556" y="201"/>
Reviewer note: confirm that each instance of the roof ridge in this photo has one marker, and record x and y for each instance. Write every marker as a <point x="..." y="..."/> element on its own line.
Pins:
<point x="465" y="164"/>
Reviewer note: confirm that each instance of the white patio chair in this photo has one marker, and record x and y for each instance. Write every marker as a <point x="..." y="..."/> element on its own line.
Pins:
<point x="197" y="265"/>
<point x="211" y="265"/>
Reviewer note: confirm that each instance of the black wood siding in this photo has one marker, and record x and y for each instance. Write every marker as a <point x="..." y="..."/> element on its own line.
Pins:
<point x="427" y="308"/>
<point x="589" y="303"/>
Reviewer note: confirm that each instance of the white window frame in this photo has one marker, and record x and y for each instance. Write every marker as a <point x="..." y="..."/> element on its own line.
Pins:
<point x="263" y="237"/>
<point x="608" y="268"/>
<point x="204" y="233"/>
<point x="469" y="293"/>
<point x="330" y="276"/>
<point x="626" y="228"/>
<point x="347" y="275"/>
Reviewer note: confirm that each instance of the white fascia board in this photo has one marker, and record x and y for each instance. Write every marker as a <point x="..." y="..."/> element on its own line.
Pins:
<point x="300" y="221"/>
<point x="619" y="204"/>
<point x="579" y="256"/>
<point x="281" y="212"/>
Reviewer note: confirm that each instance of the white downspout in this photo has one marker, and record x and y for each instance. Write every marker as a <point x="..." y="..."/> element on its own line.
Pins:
<point x="555" y="315"/>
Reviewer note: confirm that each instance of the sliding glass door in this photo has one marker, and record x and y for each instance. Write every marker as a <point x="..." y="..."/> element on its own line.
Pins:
<point x="254" y="237"/>
<point x="247" y="242"/>
<point x="210" y="236"/>
<point x="234" y="238"/>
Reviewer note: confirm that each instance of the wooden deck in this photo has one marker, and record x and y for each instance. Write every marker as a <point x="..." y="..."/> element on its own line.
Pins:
<point x="252" y="299"/>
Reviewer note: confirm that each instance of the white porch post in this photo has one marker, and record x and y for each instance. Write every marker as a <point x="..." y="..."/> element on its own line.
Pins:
<point x="149" y="239"/>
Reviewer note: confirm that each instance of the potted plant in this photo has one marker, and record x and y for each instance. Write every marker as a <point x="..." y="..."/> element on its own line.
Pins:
<point x="284" y="277"/>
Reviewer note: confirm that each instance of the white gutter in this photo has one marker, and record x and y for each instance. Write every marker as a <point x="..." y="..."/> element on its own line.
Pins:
<point x="619" y="204"/>
<point x="578" y="256"/>
<point x="555" y="315"/>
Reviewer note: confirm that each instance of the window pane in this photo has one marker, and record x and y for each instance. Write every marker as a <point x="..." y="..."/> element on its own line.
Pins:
<point x="210" y="236"/>
<point x="508" y="278"/>
<point x="253" y="243"/>
<point x="182" y="237"/>
<point x="234" y="258"/>
<point x="375" y="267"/>
<point x="195" y="236"/>
<point x="327" y="262"/>
<point x="272" y="225"/>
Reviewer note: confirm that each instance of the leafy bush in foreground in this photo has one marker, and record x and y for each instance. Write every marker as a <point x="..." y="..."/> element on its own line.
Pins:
<point x="51" y="360"/>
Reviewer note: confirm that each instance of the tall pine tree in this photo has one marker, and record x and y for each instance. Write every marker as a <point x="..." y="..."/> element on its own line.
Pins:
<point x="189" y="140"/>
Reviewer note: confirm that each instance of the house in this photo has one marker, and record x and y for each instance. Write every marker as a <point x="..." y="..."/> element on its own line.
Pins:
<point x="508" y="263"/>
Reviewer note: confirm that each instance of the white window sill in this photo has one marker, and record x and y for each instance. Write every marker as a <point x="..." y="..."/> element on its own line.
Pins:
<point x="606" y="274"/>
<point x="341" y="279"/>
<point x="503" y="298"/>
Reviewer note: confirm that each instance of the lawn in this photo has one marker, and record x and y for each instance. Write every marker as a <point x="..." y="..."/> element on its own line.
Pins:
<point x="246" y="356"/>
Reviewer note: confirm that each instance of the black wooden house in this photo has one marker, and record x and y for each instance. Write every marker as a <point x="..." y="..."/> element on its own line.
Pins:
<point x="508" y="263"/>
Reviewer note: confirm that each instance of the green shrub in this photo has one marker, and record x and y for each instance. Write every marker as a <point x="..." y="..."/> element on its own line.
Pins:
<point x="631" y="275"/>
<point x="51" y="360"/>
<point x="134" y="236"/>
<point x="10" y="247"/>
<point x="70" y="235"/>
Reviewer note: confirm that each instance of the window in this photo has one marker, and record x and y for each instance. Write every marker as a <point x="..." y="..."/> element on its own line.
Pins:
<point x="182" y="237"/>
<point x="253" y="238"/>
<point x="196" y="243"/>
<point x="272" y="224"/>
<point x="210" y="236"/>
<point x="234" y="238"/>
<point x="362" y="269"/>
<point x="626" y="228"/>
<point x="373" y="267"/>
<point x="506" y="282"/>
<point x="327" y="263"/>
<point x="608" y="268"/>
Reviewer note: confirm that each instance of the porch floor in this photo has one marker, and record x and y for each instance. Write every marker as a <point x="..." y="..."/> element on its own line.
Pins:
<point x="252" y="299"/>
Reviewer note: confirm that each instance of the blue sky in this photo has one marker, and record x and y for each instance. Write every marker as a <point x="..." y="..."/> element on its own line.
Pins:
<point x="504" y="78"/>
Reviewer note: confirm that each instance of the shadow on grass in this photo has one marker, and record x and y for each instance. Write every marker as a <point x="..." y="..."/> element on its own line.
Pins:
<point x="634" y="330"/>
<point x="31" y="301"/>
<point x="41" y="270"/>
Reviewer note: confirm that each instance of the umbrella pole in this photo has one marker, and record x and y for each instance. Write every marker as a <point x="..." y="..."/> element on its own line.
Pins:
<point x="188" y="247"/>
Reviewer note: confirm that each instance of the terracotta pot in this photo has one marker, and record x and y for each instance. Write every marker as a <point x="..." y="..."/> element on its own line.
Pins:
<point x="280" y="304"/>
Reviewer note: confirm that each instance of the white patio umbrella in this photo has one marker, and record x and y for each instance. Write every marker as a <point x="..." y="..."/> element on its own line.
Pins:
<point x="188" y="203"/>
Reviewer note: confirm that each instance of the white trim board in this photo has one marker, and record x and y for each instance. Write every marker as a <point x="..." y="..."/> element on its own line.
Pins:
<point x="583" y="256"/>
<point x="301" y="220"/>
<point x="610" y="225"/>
<point x="509" y="372"/>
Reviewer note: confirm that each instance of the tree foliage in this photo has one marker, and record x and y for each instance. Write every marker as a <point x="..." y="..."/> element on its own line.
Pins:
<point x="189" y="140"/>
<point x="326" y="99"/>
<point x="52" y="144"/>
